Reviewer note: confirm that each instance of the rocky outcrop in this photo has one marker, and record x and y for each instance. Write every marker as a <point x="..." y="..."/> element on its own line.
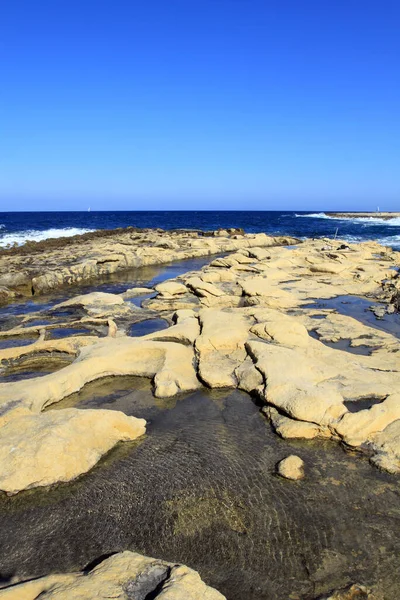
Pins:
<point x="58" y="446"/>
<point x="54" y="263"/>
<point x="243" y="321"/>
<point x="124" y="576"/>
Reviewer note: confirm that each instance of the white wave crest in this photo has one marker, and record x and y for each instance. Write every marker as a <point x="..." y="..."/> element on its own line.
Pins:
<point x="393" y="222"/>
<point x="34" y="235"/>
<point x="320" y="215"/>
<point x="391" y="240"/>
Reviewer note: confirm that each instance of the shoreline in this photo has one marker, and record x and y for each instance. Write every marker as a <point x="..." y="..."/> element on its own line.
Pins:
<point x="39" y="267"/>
<point x="271" y="322"/>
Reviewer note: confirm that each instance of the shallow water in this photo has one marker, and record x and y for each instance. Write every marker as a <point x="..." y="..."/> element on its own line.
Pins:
<point x="201" y="489"/>
<point x="116" y="283"/>
<point x="148" y="326"/>
<point x="344" y="344"/>
<point x="37" y="365"/>
<point x="358" y="307"/>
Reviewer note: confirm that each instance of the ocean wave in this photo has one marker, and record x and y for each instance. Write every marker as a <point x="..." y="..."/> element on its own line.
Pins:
<point x="394" y="222"/>
<point x="35" y="235"/>
<point x="391" y="240"/>
<point x="320" y="215"/>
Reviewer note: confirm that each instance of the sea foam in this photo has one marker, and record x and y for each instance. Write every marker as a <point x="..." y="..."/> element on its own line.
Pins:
<point x="35" y="235"/>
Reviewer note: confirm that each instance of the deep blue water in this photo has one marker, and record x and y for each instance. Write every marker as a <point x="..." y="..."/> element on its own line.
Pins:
<point x="20" y="226"/>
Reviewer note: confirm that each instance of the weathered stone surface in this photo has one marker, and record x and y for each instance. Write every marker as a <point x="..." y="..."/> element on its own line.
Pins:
<point x="220" y="346"/>
<point x="283" y="330"/>
<point x="54" y="263"/>
<point x="290" y="429"/>
<point x="92" y="299"/>
<point x="39" y="450"/>
<point x="171" y="363"/>
<point x="202" y="288"/>
<point x="386" y="448"/>
<point x="171" y="288"/>
<point x="124" y="576"/>
<point x="291" y="467"/>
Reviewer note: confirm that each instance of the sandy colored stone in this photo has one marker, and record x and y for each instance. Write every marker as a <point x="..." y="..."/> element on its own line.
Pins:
<point x="290" y="429"/>
<point x="171" y="288"/>
<point x="386" y="448"/>
<point x="283" y="330"/>
<point x="202" y="288"/>
<point x="356" y="428"/>
<point x="291" y="467"/>
<point x="220" y="346"/>
<point x="185" y="331"/>
<point x="54" y="263"/>
<point x="94" y="298"/>
<point x="58" y="446"/>
<point x="172" y="363"/>
<point x="122" y="576"/>
<point x="218" y="275"/>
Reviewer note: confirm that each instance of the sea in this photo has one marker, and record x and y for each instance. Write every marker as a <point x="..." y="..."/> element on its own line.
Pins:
<point x="19" y="227"/>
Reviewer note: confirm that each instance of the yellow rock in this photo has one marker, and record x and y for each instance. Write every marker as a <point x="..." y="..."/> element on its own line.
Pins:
<point x="124" y="575"/>
<point x="39" y="450"/>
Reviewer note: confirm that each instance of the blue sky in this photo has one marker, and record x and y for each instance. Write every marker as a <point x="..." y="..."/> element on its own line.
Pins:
<point x="170" y="104"/>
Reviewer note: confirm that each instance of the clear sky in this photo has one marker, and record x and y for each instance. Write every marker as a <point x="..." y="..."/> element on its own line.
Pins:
<point x="224" y="104"/>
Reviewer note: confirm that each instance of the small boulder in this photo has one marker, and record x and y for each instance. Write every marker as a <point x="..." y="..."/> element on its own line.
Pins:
<point x="291" y="467"/>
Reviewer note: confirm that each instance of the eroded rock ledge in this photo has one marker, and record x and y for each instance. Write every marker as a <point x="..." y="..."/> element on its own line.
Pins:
<point x="38" y="268"/>
<point x="127" y="576"/>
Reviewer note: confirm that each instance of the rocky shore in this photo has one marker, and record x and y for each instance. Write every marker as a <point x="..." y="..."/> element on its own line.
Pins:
<point x="38" y="267"/>
<point x="278" y="320"/>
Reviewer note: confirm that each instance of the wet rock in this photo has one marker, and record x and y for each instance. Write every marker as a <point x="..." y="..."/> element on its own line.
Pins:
<point x="354" y="592"/>
<point x="126" y="575"/>
<point x="379" y="311"/>
<point x="136" y="291"/>
<point x="291" y="467"/>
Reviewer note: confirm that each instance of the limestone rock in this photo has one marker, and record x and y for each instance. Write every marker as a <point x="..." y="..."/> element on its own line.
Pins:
<point x="57" y="446"/>
<point x="291" y="467"/>
<point x="171" y="288"/>
<point x="202" y="288"/>
<point x="92" y="299"/>
<point x="109" y="356"/>
<point x="136" y="291"/>
<point x="285" y="331"/>
<point x="290" y="429"/>
<point x="356" y="428"/>
<point x="122" y="576"/>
